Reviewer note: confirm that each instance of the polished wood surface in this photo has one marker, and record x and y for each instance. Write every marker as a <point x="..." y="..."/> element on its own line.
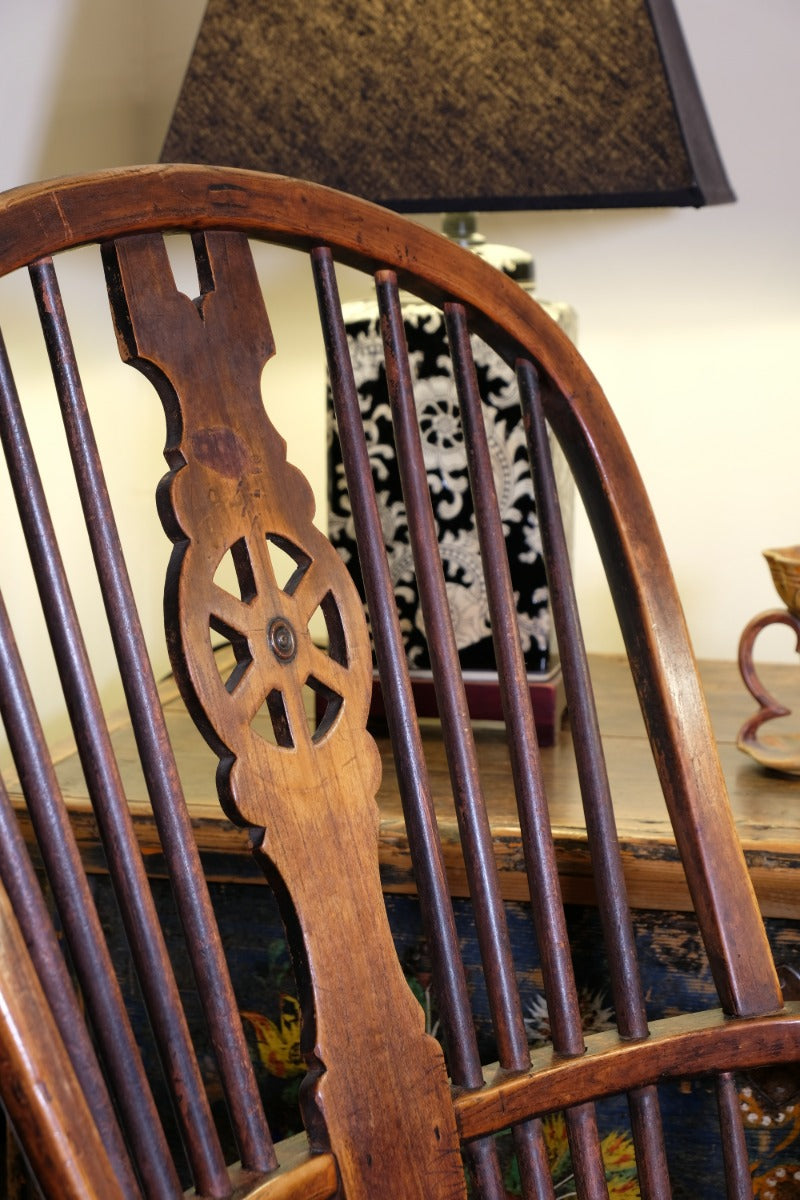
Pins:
<point x="39" y="221"/>
<point x="310" y="791"/>
<point x="52" y="1115"/>
<point x="766" y="805"/>
<point x="382" y="1100"/>
<point x="707" y="1040"/>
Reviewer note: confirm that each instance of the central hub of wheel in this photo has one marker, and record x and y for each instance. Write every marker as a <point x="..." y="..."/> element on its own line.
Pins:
<point x="282" y="640"/>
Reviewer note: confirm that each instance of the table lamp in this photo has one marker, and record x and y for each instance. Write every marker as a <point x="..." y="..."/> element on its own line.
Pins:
<point x="434" y="106"/>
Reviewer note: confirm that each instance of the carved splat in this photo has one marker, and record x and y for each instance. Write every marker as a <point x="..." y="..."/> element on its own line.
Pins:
<point x="307" y="789"/>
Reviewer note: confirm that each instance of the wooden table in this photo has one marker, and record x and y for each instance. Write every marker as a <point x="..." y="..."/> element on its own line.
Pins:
<point x="766" y="806"/>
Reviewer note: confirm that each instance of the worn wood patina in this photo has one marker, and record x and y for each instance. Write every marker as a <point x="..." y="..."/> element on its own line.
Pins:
<point x="390" y="1112"/>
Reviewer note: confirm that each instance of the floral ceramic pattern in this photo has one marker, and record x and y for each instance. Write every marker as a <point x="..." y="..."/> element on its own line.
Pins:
<point x="445" y="461"/>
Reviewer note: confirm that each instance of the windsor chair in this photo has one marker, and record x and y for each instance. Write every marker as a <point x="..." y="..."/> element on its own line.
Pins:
<point x="389" y="1113"/>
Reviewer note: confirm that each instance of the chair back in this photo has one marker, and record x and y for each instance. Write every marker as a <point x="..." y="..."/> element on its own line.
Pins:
<point x="390" y="1112"/>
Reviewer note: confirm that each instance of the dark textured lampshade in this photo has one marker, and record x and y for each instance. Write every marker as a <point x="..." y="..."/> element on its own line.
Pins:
<point x="428" y="105"/>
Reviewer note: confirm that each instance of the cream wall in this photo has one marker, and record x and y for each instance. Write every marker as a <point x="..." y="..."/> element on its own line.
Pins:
<point x="689" y="319"/>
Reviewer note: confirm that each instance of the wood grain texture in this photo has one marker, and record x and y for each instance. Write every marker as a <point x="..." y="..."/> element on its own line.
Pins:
<point x="300" y="1175"/>
<point x="38" y="1086"/>
<point x="309" y="797"/>
<point x="765" y="807"/>
<point x="154" y="750"/>
<point x="639" y="574"/>
<point x="709" y="1041"/>
<point x="298" y="782"/>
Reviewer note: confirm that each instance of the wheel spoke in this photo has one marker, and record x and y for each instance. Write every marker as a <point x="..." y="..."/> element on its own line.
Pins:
<point x="229" y="611"/>
<point x="327" y="671"/>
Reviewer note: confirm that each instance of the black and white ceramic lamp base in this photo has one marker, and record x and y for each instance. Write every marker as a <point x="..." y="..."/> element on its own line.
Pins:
<point x="445" y="460"/>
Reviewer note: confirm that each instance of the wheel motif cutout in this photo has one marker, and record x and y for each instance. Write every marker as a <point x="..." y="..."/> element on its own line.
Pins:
<point x="263" y="603"/>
